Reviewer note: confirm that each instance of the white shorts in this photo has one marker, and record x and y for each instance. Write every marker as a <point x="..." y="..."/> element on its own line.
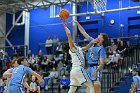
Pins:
<point x="78" y="76"/>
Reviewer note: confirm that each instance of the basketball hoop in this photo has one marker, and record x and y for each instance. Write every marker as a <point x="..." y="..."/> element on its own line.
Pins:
<point x="98" y="5"/>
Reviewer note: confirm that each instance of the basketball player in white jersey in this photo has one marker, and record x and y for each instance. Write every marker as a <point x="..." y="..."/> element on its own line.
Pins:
<point x="78" y="74"/>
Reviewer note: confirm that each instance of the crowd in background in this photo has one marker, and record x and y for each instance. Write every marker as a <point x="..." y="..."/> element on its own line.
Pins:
<point x="49" y="65"/>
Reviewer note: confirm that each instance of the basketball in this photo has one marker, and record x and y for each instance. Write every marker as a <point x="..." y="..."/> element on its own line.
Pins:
<point x="64" y="14"/>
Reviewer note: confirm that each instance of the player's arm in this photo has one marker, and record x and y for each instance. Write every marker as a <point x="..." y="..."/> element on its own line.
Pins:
<point x="101" y="65"/>
<point x="81" y="29"/>
<point x="7" y="74"/>
<point x="71" y="44"/>
<point x="38" y="76"/>
<point x="134" y="87"/>
<point x="26" y="85"/>
<point x="85" y="48"/>
<point x="38" y="88"/>
<point x="30" y="71"/>
<point x="102" y="54"/>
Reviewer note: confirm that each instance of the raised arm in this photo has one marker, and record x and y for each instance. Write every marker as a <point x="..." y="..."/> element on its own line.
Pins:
<point x="81" y="29"/>
<point x="85" y="48"/>
<point x="71" y="44"/>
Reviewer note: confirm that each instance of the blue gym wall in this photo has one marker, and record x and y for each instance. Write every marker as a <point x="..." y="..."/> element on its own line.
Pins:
<point x="16" y="37"/>
<point x="42" y="26"/>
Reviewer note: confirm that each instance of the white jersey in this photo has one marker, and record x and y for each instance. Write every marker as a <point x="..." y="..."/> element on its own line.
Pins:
<point x="78" y="74"/>
<point x="77" y="57"/>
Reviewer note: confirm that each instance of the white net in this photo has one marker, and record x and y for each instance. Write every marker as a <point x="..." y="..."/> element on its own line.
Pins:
<point x="98" y="5"/>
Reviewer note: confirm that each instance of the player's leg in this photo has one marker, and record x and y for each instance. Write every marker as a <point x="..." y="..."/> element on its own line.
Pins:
<point x="72" y="89"/>
<point x="97" y="86"/>
<point x="90" y="88"/>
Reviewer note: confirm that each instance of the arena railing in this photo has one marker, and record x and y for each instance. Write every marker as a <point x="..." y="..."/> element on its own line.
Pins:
<point x="112" y="77"/>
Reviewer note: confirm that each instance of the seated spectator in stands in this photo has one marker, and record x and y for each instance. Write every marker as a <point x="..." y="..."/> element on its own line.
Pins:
<point x="53" y="73"/>
<point x="36" y="64"/>
<point x="44" y="63"/>
<point x="64" y="84"/>
<point x="34" y="86"/>
<point x="31" y="61"/>
<point x="51" y="63"/>
<point x="114" y="59"/>
<point x="135" y="87"/>
<point x="59" y="49"/>
<point x="65" y="59"/>
<point x="112" y="47"/>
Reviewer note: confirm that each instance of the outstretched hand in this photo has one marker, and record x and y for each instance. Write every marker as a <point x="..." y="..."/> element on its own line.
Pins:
<point x="65" y="24"/>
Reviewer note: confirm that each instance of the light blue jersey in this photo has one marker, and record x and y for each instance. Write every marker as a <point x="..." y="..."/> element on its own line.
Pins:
<point x="18" y="75"/>
<point x="136" y="79"/>
<point x="95" y="52"/>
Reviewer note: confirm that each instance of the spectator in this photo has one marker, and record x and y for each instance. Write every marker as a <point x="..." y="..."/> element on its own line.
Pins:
<point x="55" y="43"/>
<point x="44" y="63"/>
<point x="64" y="84"/>
<point x="114" y="59"/>
<point x="53" y="73"/>
<point x="112" y="48"/>
<point x="49" y="45"/>
<point x="59" y="49"/>
<point x="121" y="48"/>
<point x="51" y="63"/>
<point x="34" y="86"/>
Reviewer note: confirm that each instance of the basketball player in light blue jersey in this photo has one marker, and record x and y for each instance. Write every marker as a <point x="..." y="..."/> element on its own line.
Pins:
<point x="96" y="57"/>
<point x="135" y="88"/>
<point x="17" y="75"/>
<point x="78" y="74"/>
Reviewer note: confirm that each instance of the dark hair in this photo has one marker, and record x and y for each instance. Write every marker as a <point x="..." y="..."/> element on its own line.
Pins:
<point x="137" y="70"/>
<point x="20" y="60"/>
<point x="105" y="37"/>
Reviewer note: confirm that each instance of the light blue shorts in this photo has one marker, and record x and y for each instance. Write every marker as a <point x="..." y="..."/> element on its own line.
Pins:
<point x="91" y="70"/>
<point x="15" y="89"/>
